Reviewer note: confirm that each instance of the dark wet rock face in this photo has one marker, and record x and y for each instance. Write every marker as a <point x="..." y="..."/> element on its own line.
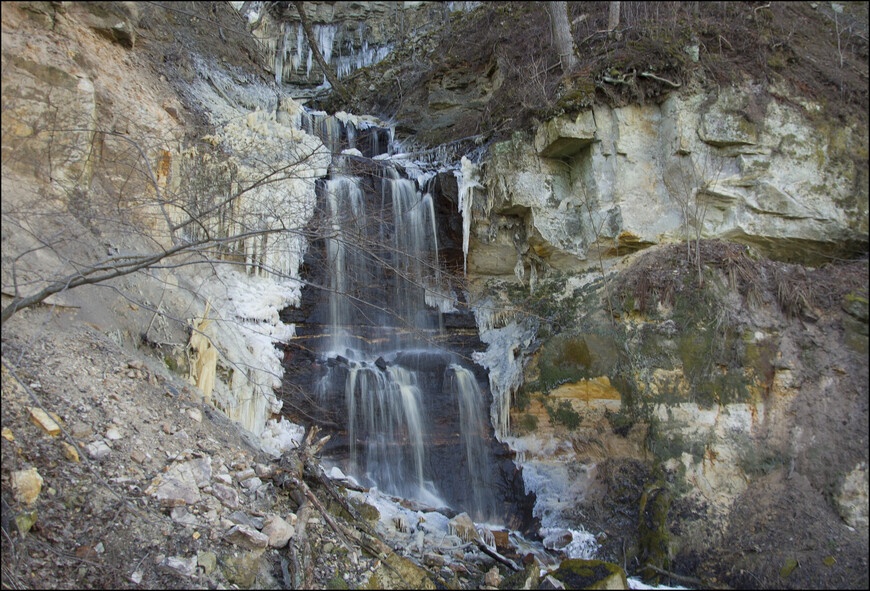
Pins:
<point x="387" y="375"/>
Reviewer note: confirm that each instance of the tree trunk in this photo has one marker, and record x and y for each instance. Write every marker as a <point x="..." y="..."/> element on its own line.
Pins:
<point x="613" y="16"/>
<point x="562" y="35"/>
<point x="312" y="42"/>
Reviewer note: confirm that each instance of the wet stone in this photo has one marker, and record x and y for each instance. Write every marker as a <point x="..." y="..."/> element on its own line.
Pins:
<point x="245" y="474"/>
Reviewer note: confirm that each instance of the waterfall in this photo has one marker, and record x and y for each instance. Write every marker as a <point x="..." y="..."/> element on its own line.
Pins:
<point x="411" y="417"/>
<point x="344" y="200"/>
<point x="472" y="420"/>
<point x="384" y="409"/>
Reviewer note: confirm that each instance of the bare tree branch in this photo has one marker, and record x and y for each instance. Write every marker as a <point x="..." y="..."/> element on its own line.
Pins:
<point x="312" y="42"/>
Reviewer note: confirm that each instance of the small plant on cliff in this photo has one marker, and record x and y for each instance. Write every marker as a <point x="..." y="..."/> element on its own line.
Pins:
<point x="564" y="414"/>
<point x="527" y="423"/>
<point x="691" y="186"/>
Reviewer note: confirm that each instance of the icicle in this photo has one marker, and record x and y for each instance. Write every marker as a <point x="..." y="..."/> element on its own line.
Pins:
<point x="520" y="268"/>
<point x="297" y="59"/>
<point x="279" y="56"/>
<point x="469" y="179"/>
<point x="533" y="277"/>
<point x="486" y="535"/>
<point x="505" y="370"/>
<point x="325" y="36"/>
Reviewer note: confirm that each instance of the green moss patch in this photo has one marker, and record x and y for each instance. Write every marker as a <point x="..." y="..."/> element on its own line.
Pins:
<point x="563" y="414"/>
<point x="590" y="574"/>
<point x="569" y="358"/>
<point x="527" y="423"/>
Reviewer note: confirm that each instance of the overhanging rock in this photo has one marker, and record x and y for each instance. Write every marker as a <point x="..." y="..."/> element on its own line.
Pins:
<point x="563" y="137"/>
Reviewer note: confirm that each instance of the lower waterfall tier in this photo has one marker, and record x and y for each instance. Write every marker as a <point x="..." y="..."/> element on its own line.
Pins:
<point x="414" y="424"/>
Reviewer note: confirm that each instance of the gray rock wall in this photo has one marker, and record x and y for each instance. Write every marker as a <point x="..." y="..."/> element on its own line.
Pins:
<point x="725" y="165"/>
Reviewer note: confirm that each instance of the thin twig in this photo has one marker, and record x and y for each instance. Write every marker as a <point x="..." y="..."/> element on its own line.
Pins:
<point x="660" y="79"/>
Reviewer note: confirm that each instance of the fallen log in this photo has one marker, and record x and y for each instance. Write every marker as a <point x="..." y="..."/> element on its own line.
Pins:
<point x="685" y="579"/>
<point x="493" y="554"/>
<point x="300" y="550"/>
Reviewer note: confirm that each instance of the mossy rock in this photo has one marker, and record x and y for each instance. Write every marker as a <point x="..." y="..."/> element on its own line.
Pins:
<point x="856" y="306"/>
<point x="788" y="567"/>
<point x="336" y="582"/>
<point x="396" y="572"/>
<point x="525" y="579"/>
<point x="368" y="512"/>
<point x="653" y="533"/>
<point x="563" y="414"/>
<point x="339" y="511"/>
<point x="590" y="574"/>
<point x="242" y="570"/>
<point x="620" y="422"/>
<point x="578" y="92"/>
<point x="569" y="358"/>
<point x="527" y="423"/>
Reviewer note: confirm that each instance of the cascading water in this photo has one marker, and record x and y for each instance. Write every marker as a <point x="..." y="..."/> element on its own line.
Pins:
<point x="472" y="420"/>
<point x="409" y="416"/>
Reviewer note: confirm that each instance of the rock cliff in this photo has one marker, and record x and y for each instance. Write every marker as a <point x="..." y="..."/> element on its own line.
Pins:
<point x="665" y="252"/>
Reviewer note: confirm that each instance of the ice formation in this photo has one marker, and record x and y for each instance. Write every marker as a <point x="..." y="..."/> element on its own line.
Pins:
<point x="263" y="140"/>
<point x="468" y="177"/>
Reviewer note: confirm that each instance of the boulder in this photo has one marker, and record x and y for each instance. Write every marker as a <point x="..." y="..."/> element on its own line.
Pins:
<point x="180" y="485"/>
<point x="527" y="578"/>
<point x="98" y="450"/>
<point x="590" y="574"/>
<point x="182" y="516"/>
<point x="183" y="566"/>
<point x="278" y="531"/>
<point x="200" y="468"/>
<point x="852" y="499"/>
<point x="549" y="583"/>
<point x="243" y="518"/>
<point x="242" y="570"/>
<point x="26" y="485"/>
<point x="492" y="577"/>
<point x="25" y="520"/>
<point x="247" y="537"/>
<point x="207" y="560"/>
<point x="69" y="452"/>
<point x="395" y="572"/>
